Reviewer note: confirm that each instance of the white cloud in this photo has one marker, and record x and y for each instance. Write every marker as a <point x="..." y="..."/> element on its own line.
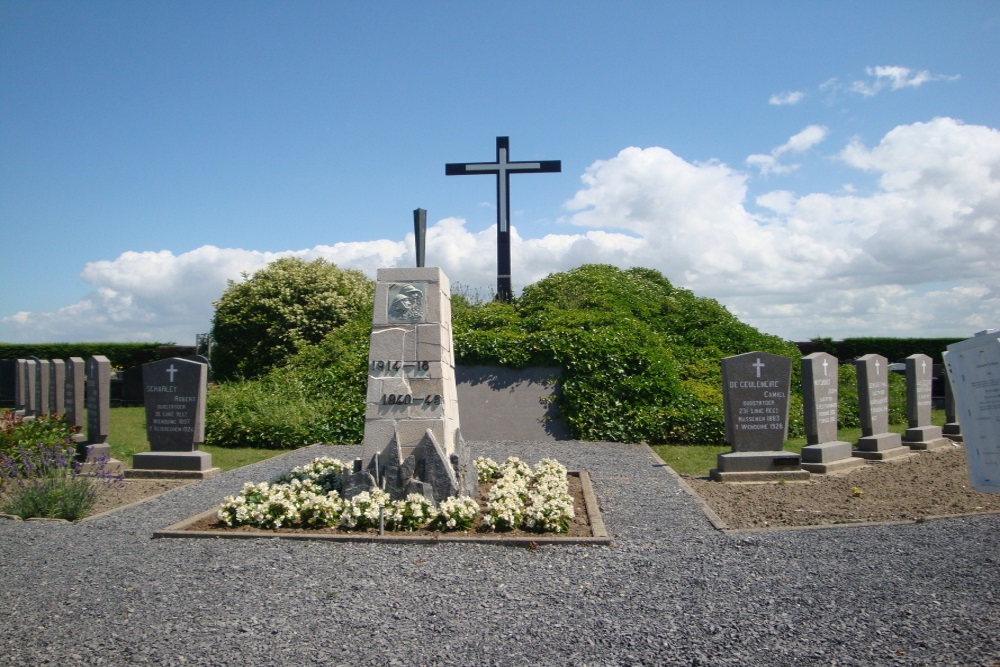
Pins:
<point x="786" y="98"/>
<point x="915" y="257"/>
<point x="894" y="77"/>
<point x="798" y="143"/>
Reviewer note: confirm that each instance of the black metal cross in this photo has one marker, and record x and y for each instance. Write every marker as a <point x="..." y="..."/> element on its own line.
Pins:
<point x="503" y="168"/>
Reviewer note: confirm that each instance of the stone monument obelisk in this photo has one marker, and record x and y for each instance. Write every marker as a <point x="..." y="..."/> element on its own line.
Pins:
<point x="412" y="442"/>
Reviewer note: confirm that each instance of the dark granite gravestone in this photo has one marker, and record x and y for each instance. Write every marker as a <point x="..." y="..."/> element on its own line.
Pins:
<point x="57" y="386"/>
<point x="42" y="387"/>
<point x="755" y="391"/>
<point x="30" y="384"/>
<point x="8" y="382"/>
<point x="921" y="434"/>
<point x="823" y="452"/>
<point x="876" y="442"/>
<point x="132" y="390"/>
<point x="74" y="398"/>
<point x="974" y="368"/>
<point x="174" y="391"/>
<point x="98" y="402"/>
<point x="952" y="429"/>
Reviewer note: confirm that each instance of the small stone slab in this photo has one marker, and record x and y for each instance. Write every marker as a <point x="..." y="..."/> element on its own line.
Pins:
<point x="759" y="467"/>
<point x="883" y="455"/>
<point x="840" y="465"/>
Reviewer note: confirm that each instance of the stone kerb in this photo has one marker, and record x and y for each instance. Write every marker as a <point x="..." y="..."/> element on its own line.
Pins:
<point x="823" y="452"/>
<point x="412" y="440"/>
<point x="921" y="434"/>
<point x="174" y="393"/>
<point x="756" y="388"/>
<point x="876" y="442"/>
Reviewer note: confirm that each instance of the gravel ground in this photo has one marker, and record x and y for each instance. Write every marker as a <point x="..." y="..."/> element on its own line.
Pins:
<point x="671" y="590"/>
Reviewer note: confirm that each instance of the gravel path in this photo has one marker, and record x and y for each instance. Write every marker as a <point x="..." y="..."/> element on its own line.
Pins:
<point x="670" y="591"/>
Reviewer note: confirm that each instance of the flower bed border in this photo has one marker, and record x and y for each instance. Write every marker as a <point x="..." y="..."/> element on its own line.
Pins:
<point x="599" y="535"/>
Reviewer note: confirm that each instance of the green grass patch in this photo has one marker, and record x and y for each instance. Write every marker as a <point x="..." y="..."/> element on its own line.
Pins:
<point x="128" y="437"/>
<point x="698" y="460"/>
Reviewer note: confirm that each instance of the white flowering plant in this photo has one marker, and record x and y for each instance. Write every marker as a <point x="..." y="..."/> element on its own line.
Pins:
<point x="363" y="510"/>
<point x="538" y="501"/>
<point x="411" y="513"/>
<point x="456" y="513"/>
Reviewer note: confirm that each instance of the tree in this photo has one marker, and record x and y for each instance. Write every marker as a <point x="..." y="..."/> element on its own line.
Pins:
<point x="261" y="322"/>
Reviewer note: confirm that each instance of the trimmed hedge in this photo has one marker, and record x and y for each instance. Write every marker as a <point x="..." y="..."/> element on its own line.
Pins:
<point x="122" y="355"/>
<point x="893" y="349"/>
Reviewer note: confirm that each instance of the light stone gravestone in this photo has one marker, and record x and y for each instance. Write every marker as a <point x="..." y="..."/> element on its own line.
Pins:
<point x="20" y="389"/>
<point x="952" y="429"/>
<point x="920" y="433"/>
<point x="412" y="441"/>
<point x="755" y="399"/>
<point x="174" y="396"/>
<point x="30" y="392"/>
<point x="42" y="387"/>
<point x="73" y="398"/>
<point x="823" y="452"/>
<point x="57" y="386"/>
<point x="98" y="402"/>
<point x="974" y="368"/>
<point x="876" y="442"/>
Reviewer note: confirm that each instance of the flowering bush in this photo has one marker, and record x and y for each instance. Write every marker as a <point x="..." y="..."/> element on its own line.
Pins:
<point x="487" y="470"/>
<point x="325" y="472"/>
<point x="412" y="513"/>
<point x="364" y="509"/>
<point x="538" y="501"/>
<point x="456" y="513"/>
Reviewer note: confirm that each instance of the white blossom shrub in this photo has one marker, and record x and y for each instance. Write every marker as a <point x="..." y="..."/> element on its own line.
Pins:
<point x="363" y="510"/>
<point x="412" y="513"/>
<point x="456" y="513"/>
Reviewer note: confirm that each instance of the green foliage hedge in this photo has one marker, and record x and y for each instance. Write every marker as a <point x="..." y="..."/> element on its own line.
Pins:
<point x="122" y="355"/>
<point x="639" y="359"/>
<point x="895" y="349"/>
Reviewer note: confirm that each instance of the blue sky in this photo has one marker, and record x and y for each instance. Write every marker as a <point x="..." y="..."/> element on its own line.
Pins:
<point x="821" y="169"/>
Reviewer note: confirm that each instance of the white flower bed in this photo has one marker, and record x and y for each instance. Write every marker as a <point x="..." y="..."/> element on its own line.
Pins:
<point x="309" y="497"/>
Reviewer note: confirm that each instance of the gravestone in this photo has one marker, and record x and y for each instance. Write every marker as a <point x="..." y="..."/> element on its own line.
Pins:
<point x="8" y="382"/>
<point x="952" y="429"/>
<point x="412" y="441"/>
<point x="57" y="386"/>
<point x="74" y="395"/>
<point x="21" y="390"/>
<point x="42" y="387"/>
<point x="174" y="395"/>
<point x="755" y="391"/>
<point x="974" y="368"/>
<point x="30" y="391"/>
<point x="876" y="442"/>
<point x="132" y="388"/>
<point x="823" y="452"/>
<point x="98" y="402"/>
<point x="920" y="433"/>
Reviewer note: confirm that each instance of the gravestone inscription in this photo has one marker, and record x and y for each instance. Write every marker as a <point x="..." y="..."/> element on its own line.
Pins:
<point x="823" y="452"/>
<point x="174" y="395"/>
<point x="755" y="400"/>
<point x="876" y="441"/>
<point x="974" y="368"/>
<point x="920" y="433"/>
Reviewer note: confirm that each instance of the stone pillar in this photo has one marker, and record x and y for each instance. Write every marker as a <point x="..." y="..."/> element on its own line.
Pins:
<point x="413" y="442"/>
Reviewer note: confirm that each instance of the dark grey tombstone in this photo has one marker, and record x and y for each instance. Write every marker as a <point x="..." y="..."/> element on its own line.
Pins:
<point x="21" y="390"/>
<point x="952" y="429"/>
<point x="98" y="400"/>
<point x="873" y="405"/>
<point x="8" y="382"/>
<point x="174" y="391"/>
<point x="42" y="387"/>
<point x="974" y="368"/>
<point x="74" y="396"/>
<point x="823" y="452"/>
<point x="30" y="393"/>
<point x="755" y="395"/>
<point x="132" y="391"/>
<point x="921" y="434"/>
<point x="57" y="386"/>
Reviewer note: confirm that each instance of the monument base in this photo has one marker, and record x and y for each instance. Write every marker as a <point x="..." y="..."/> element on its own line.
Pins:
<point x="926" y="438"/>
<point x="881" y="447"/>
<point x="828" y="457"/>
<point x="172" y="465"/>
<point x="952" y="431"/>
<point x="759" y="467"/>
